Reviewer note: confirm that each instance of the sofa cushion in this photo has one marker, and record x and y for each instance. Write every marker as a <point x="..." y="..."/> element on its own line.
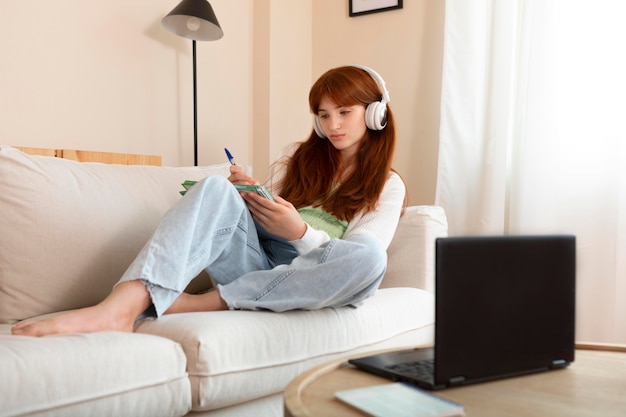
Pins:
<point x="235" y="356"/>
<point x="105" y="374"/>
<point x="411" y="254"/>
<point x="70" y="229"/>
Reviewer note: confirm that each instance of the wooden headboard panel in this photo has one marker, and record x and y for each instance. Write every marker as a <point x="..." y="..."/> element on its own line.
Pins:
<point x="92" y="156"/>
<point x="37" y="151"/>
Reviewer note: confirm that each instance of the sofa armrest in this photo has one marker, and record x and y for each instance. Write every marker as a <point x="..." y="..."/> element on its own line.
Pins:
<point x="411" y="255"/>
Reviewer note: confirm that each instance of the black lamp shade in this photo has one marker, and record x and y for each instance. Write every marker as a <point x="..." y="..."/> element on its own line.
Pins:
<point x="193" y="19"/>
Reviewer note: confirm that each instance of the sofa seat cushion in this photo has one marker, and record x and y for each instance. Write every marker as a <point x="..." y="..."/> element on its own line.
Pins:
<point x="236" y="356"/>
<point x="101" y="374"/>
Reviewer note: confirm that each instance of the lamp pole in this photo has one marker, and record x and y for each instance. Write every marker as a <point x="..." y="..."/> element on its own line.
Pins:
<point x="195" y="107"/>
<point x="195" y="20"/>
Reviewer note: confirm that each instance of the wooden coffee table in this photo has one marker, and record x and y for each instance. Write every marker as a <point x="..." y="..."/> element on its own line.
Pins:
<point x="594" y="385"/>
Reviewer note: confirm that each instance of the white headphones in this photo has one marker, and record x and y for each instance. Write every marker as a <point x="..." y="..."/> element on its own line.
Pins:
<point x="375" y="113"/>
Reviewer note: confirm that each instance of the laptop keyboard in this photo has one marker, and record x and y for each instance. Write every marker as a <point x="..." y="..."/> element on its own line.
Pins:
<point x="423" y="370"/>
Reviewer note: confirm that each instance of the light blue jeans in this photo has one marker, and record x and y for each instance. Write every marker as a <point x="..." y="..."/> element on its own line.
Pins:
<point x="211" y="229"/>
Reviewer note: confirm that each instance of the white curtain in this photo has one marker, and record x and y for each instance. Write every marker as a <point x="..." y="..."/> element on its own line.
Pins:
<point x="533" y="136"/>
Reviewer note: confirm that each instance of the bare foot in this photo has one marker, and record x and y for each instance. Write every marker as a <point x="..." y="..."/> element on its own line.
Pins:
<point x="85" y="320"/>
<point x="115" y="313"/>
<point x="187" y="303"/>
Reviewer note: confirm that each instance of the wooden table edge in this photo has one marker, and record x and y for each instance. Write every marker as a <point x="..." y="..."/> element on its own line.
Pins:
<point x="606" y="347"/>
<point x="293" y="404"/>
<point x="292" y="400"/>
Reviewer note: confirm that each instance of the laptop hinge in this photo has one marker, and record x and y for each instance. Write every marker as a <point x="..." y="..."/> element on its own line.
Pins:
<point x="558" y="363"/>
<point x="457" y="380"/>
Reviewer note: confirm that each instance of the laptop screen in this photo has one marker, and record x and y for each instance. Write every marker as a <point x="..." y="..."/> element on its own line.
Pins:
<point x="505" y="305"/>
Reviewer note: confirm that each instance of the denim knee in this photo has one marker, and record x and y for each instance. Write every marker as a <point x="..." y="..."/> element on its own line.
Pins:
<point x="213" y="183"/>
<point x="373" y="259"/>
<point x="370" y="252"/>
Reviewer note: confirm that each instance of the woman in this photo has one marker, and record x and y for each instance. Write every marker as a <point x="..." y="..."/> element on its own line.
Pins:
<point x="321" y="244"/>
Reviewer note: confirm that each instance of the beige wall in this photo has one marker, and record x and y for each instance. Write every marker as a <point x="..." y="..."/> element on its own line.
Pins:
<point x="282" y="78"/>
<point x="107" y="76"/>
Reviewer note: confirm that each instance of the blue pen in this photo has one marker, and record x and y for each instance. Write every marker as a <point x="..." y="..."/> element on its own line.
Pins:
<point x="230" y="157"/>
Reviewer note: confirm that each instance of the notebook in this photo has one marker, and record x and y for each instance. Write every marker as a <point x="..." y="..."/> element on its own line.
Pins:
<point x="399" y="400"/>
<point x="504" y="306"/>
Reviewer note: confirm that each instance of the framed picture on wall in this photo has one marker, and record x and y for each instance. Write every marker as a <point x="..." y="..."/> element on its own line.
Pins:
<point x="361" y="7"/>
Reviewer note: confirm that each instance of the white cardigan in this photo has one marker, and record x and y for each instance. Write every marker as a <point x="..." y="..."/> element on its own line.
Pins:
<point x="380" y="223"/>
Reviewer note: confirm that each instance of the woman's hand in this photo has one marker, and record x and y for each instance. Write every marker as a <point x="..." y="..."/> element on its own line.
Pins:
<point x="238" y="176"/>
<point x="280" y="218"/>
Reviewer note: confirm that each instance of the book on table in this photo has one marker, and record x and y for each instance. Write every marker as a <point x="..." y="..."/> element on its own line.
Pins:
<point x="399" y="400"/>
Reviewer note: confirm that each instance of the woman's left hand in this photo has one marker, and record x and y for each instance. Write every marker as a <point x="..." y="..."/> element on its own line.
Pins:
<point x="279" y="218"/>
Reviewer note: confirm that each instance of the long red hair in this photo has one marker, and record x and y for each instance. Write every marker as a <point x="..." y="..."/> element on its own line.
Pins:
<point x="311" y="172"/>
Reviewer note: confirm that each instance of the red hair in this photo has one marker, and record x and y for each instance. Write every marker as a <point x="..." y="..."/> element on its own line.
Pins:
<point x="311" y="172"/>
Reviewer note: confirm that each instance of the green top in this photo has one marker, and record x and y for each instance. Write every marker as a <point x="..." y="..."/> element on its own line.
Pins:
<point x="319" y="219"/>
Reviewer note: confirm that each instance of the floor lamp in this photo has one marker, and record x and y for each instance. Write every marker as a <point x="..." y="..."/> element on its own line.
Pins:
<point x="195" y="20"/>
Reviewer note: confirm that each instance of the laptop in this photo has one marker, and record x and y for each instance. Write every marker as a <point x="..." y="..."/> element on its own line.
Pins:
<point x="504" y="306"/>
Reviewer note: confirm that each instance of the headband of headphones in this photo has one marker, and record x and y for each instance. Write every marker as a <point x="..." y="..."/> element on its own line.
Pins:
<point x="376" y="76"/>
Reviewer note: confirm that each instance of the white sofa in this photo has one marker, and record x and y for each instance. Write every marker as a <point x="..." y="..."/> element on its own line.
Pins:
<point x="67" y="232"/>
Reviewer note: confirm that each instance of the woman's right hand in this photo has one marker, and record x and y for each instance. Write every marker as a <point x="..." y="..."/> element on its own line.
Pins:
<point x="238" y="175"/>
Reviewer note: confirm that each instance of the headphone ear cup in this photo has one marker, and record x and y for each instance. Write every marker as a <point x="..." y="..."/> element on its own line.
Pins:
<point x="376" y="115"/>
<point x="318" y="127"/>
